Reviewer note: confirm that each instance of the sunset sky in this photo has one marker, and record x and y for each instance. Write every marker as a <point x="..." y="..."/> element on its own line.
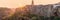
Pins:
<point x="18" y="3"/>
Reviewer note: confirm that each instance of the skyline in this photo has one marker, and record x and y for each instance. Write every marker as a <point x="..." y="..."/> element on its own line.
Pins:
<point x="20" y="3"/>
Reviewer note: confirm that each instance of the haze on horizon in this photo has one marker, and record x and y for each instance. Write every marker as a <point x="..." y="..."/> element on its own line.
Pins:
<point x="18" y="3"/>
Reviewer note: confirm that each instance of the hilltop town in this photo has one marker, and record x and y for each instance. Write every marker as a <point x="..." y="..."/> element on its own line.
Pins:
<point x="39" y="10"/>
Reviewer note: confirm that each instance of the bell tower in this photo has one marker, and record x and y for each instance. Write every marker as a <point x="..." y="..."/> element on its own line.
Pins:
<point x="32" y="3"/>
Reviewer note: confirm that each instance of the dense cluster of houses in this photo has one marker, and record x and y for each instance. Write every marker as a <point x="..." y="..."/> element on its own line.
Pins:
<point x="42" y="10"/>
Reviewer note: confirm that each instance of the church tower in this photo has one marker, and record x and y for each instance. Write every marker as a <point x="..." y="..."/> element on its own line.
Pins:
<point x="32" y="3"/>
